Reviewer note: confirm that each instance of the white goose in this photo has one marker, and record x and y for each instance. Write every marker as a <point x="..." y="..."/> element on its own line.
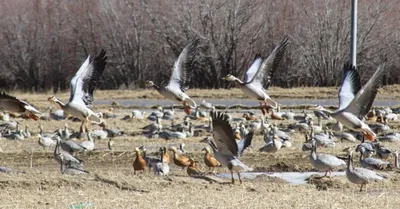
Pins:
<point x="180" y="78"/>
<point x="82" y="87"/>
<point x="355" y="101"/>
<point x="260" y="71"/>
<point x="13" y="104"/>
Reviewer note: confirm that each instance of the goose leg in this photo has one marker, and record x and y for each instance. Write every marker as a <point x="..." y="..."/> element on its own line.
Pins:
<point x="361" y="187"/>
<point x="233" y="180"/>
<point x="187" y="108"/>
<point x="262" y="108"/>
<point x="240" y="180"/>
<point x="81" y="127"/>
<point x="266" y="106"/>
<point x="87" y="124"/>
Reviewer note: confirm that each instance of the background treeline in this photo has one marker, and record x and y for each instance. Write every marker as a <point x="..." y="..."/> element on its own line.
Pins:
<point x="43" y="42"/>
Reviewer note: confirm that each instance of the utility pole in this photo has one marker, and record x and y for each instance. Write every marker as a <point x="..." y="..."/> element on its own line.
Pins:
<point x="353" y="43"/>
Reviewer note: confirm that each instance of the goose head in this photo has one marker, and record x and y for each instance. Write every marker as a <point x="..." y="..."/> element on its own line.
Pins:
<point x="229" y="77"/>
<point x="52" y="99"/>
<point x="207" y="149"/>
<point x="149" y="83"/>
<point x="206" y="140"/>
<point x="137" y="150"/>
<point x="173" y="149"/>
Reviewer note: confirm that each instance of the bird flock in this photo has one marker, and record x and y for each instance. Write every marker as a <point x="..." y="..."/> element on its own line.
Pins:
<point x="227" y="137"/>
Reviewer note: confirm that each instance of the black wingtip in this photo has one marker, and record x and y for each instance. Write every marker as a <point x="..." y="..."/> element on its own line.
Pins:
<point x="348" y="67"/>
<point x="285" y="40"/>
<point x="258" y="55"/>
<point x="102" y="56"/>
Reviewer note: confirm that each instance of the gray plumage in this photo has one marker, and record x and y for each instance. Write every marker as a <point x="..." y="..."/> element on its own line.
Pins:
<point x="325" y="162"/>
<point x="361" y="176"/>
<point x="224" y="145"/>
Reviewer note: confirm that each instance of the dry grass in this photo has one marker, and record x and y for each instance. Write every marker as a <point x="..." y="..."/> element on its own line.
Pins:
<point x="387" y="92"/>
<point x="111" y="183"/>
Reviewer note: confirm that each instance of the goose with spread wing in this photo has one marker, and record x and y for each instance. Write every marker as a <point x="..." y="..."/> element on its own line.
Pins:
<point x="258" y="76"/>
<point x="224" y="145"/>
<point x="354" y="101"/>
<point x="180" y="78"/>
<point x="82" y="86"/>
<point x="13" y="104"/>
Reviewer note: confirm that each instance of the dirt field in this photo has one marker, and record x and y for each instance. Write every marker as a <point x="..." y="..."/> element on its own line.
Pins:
<point x="111" y="183"/>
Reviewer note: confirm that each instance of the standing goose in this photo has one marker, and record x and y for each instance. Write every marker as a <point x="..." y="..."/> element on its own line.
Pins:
<point x="139" y="164"/>
<point x="82" y="86"/>
<point x="67" y="158"/>
<point x="45" y="141"/>
<point x="180" y="78"/>
<point x="257" y="78"/>
<point x="361" y="176"/>
<point x="179" y="160"/>
<point x="325" y="162"/>
<point x="224" y="145"/>
<point x="209" y="160"/>
<point x="13" y="104"/>
<point x="272" y="142"/>
<point x="89" y="144"/>
<point x="162" y="167"/>
<point x="71" y="170"/>
<point x="354" y="101"/>
<point x="192" y="169"/>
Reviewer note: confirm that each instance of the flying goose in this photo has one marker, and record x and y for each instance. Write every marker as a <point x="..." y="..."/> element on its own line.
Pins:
<point x="180" y="78"/>
<point x="82" y="86"/>
<point x="13" y="104"/>
<point x="257" y="77"/>
<point x="224" y="145"/>
<point x="355" y="101"/>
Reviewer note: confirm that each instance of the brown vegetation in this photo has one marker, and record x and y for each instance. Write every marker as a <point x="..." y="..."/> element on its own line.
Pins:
<point x="43" y="42"/>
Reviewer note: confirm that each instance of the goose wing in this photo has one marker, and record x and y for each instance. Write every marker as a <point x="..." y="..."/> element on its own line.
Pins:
<point x="254" y="67"/>
<point x="268" y="66"/>
<point x="245" y="142"/>
<point x="182" y="71"/>
<point x="362" y="102"/>
<point x="13" y="104"/>
<point x="349" y="86"/>
<point x="223" y="135"/>
<point x="85" y="80"/>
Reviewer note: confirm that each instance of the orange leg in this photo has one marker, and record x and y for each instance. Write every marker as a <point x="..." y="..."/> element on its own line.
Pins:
<point x="262" y="108"/>
<point x="266" y="106"/>
<point x="369" y="136"/>
<point x="187" y="108"/>
<point x="81" y="127"/>
<point x="87" y="124"/>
